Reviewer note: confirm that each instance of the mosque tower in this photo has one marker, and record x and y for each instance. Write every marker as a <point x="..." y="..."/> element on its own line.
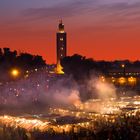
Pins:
<point x="61" y="46"/>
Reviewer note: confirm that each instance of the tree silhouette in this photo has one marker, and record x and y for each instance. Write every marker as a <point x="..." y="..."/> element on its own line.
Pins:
<point x="24" y="61"/>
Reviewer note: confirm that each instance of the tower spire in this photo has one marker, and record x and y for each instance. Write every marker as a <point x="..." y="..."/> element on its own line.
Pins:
<point x="61" y="26"/>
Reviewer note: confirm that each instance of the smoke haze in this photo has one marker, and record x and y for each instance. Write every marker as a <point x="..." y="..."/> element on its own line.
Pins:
<point x="41" y="92"/>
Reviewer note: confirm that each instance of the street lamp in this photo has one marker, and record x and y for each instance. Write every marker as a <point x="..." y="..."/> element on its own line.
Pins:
<point x="15" y="73"/>
<point x="123" y="66"/>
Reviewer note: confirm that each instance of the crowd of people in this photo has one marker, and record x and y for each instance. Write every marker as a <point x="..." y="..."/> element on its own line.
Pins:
<point x="24" y="92"/>
<point x="125" y="128"/>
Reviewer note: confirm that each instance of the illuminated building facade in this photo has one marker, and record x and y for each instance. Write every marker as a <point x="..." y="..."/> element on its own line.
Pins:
<point x="61" y="42"/>
<point x="124" y="76"/>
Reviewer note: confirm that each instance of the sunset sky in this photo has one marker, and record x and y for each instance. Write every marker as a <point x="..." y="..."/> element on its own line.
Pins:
<point x="99" y="29"/>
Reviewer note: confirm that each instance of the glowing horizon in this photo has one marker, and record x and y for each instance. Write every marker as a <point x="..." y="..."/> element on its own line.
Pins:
<point x="102" y="30"/>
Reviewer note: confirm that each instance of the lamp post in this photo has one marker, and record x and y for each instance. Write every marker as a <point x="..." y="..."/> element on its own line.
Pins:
<point x="123" y="66"/>
<point x="15" y="73"/>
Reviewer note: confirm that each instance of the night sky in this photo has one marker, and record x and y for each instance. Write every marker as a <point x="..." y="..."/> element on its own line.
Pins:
<point x="101" y="29"/>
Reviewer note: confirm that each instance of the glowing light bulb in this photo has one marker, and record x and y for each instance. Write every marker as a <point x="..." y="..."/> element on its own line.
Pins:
<point x="15" y="72"/>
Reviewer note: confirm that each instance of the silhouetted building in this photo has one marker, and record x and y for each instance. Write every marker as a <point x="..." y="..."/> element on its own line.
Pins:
<point x="61" y="42"/>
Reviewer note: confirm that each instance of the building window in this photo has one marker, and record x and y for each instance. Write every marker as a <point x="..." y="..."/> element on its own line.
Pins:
<point x="61" y="39"/>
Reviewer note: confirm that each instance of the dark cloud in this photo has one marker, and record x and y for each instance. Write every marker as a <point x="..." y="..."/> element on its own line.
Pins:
<point x="62" y="10"/>
<point x="103" y="9"/>
<point x="118" y="15"/>
<point x="102" y="14"/>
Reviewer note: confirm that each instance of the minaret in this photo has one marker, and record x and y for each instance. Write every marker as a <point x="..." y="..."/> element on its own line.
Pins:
<point x="61" y="42"/>
<point x="61" y="46"/>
